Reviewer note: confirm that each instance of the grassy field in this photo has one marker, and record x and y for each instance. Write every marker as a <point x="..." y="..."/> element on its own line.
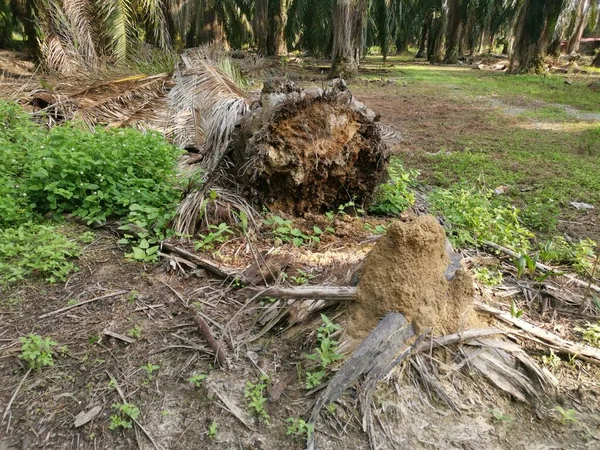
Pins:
<point x="535" y="135"/>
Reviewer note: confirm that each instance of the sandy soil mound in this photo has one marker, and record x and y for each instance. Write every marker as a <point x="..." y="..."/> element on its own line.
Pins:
<point x="405" y="272"/>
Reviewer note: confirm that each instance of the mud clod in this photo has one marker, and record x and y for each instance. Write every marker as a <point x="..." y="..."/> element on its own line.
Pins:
<point x="405" y="273"/>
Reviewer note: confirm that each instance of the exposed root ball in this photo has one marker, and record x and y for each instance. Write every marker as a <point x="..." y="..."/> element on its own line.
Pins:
<point x="303" y="152"/>
<point x="405" y="272"/>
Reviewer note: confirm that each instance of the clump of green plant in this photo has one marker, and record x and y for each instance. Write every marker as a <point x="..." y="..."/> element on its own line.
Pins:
<point x="255" y="393"/>
<point x="122" y="174"/>
<point x="197" y="379"/>
<point x="33" y="249"/>
<point x="500" y="416"/>
<point x="326" y="352"/>
<point x="551" y="360"/>
<point x="212" y="430"/>
<point x="395" y="196"/>
<point x="591" y="333"/>
<point x="218" y="235"/>
<point x="125" y="414"/>
<point x="541" y="215"/>
<point x="579" y="255"/>
<point x="150" y="368"/>
<point x="299" y="427"/>
<point x="37" y="351"/>
<point x="566" y="415"/>
<point x="283" y="230"/>
<point x="302" y="278"/>
<point x="472" y="217"/>
<point x="515" y="311"/>
<point x="488" y="276"/>
<point x="135" y="332"/>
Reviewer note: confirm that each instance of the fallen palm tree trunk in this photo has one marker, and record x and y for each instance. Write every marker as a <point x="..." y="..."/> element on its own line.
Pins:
<point x="289" y="149"/>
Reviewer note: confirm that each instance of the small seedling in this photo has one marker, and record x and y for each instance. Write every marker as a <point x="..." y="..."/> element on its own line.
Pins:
<point x="299" y="428"/>
<point x="591" y="333"/>
<point x="133" y="295"/>
<point x="218" y="235"/>
<point x="551" y="360"/>
<point x="302" y="278"/>
<point x="125" y="414"/>
<point x="515" y="311"/>
<point x="500" y="416"/>
<point x="326" y="352"/>
<point x="197" y="379"/>
<point x="135" y="332"/>
<point x="212" y="430"/>
<point x="566" y="415"/>
<point x="37" y="351"/>
<point x="72" y="302"/>
<point x="331" y="408"/>
<point x="256" y="399"/>
<point x="150" y="369"/>
<point x="313" y="379"/>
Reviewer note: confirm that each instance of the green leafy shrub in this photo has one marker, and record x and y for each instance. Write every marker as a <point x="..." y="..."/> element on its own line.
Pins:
<point x="34" y="249"/>
<point x="395" y="196"/>
<point x="37" y="351"/>
<point x="126" y="413"/>
<point x="326" y="352"/>
<point x="578" y="255"/>
<point x="471" y="217"/>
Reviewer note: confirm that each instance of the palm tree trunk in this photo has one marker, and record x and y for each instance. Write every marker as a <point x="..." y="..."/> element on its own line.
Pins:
<point x="261" y="25"/>
<point x="425" y="34"/>
<point x="534" y="29"/>
<point x="453" y="34"/>
<point x="582" y="13"/>
<point x="348" y="21"/>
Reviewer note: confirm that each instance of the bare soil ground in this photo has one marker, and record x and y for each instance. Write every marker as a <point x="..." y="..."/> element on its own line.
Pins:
<point x="178" y="416"/>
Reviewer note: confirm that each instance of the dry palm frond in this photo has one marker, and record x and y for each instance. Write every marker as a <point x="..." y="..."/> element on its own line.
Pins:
<point x="211" y="206"/>
<point x="207" y="103"/>
<point x="114" y="102"/>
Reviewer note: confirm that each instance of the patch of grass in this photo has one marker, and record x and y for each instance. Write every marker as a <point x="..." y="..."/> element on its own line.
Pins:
<point x="107" y="174"/>
<point x="471" y="83"/>
<point x="37" y="351"/>
<point x="548" y="114"/>
<point x="255" y="393"/>
<point x="35" y="249"/>
<point x="472" y="217"/>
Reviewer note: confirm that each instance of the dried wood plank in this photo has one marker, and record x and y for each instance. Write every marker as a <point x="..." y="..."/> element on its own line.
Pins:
<point x="68" y="308"/>
<point x="545" y="268"/>
<point x="562" y="345"/>
<point x="462" y="336"/>
<point x="314" y="292"/>
<point x="210" y="266"/>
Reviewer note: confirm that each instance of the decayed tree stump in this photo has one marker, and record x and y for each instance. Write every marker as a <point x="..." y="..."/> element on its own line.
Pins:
<point x="299" y="151"/>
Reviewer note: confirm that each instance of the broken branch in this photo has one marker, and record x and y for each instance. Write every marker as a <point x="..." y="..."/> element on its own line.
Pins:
<point x="315" y="292"/>
<point x="560" y="344"/>
<point x="68" y="308"/>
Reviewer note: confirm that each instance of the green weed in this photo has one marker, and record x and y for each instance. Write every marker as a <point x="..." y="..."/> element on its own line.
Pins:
<point x="218" y="235"/>
<point x="256" y="398"/>
<point x="590" y="333"/>
<point x="37" y="351"/>
<point x="471" y="218"/>
<point x="150" y="369"/>
<point x="500" y="416"/>
<point x="489" y="277"/>
<point x="395" y="196"/>
<point x="326" y="352"/>
<point x="125" y="413"/>
<point x="197" y="379"/>
<point x="33" y="249"/>
<point x="566" y="415"/>
<point x="212" y="430"/>
<point x="135" y="332"/>
<point x="299" y="428"/>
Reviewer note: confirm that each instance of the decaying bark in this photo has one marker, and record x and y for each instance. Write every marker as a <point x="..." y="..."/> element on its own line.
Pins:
<point x="305" y="151"/>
